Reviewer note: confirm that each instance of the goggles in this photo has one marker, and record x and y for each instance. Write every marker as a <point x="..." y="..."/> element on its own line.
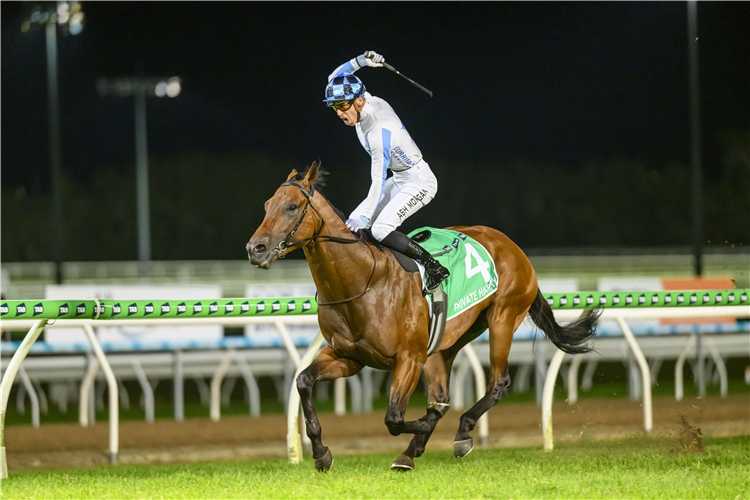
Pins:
<point x="340" y="105"/>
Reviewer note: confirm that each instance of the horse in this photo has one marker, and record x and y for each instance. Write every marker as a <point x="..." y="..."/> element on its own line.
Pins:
<point x="372" y="312"/>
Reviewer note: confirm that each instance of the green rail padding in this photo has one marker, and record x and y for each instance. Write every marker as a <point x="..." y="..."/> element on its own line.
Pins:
<point x="139" y="309"/>
<point x="129" y="309"/>
<point x="676" y="298"/>
<point x="47" y="309"/>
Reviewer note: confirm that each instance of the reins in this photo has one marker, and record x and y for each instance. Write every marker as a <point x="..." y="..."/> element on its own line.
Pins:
<point x="285" y="243"/>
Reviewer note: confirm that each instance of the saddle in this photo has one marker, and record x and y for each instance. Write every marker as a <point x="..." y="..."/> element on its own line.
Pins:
<point x="437" y="298"/>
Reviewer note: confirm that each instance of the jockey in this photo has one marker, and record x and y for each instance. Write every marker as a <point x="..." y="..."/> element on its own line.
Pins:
<point x="390" y="201"/>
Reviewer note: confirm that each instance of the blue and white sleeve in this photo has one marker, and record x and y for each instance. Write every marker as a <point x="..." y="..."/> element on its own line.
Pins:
<point x="379" y="141"/>
<point x="347" y="67"/>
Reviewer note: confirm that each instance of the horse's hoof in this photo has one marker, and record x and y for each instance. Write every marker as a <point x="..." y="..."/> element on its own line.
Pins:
<point x="324" y="463"/>
<point x="462" y="448"/>
<point x="402" y="463"/>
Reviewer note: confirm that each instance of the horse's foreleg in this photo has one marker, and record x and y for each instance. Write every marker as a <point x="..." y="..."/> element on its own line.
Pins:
<point x="326" y="366"/>
<point x="404" y="381"/>
<point x="437" y="372"/>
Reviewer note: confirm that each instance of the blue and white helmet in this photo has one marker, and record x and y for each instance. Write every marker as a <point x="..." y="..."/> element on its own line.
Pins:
<point x="344" y="87"/>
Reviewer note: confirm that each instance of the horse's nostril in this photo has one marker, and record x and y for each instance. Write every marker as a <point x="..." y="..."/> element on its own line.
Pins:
<point x="259" y="249"/>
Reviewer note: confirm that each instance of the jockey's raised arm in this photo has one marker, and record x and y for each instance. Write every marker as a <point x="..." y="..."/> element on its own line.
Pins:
<point x="389" y="201"/>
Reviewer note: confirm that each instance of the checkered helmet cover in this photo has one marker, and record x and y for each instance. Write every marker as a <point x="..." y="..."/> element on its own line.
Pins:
<point x="344" y="87"/>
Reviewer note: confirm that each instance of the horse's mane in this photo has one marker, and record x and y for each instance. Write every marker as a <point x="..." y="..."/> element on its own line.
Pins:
<point x="319" y="183"/>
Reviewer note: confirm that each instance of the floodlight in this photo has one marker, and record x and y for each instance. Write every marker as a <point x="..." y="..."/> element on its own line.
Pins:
<point x="161" y="89"/>
<point x="173" y="87"/>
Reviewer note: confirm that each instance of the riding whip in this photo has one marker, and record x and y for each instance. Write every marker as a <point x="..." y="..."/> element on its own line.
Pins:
<point x="369" y="54"/>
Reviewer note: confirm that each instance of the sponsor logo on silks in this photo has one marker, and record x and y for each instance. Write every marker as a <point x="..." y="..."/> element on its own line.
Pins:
<point x="551" y="301"/>
<point x="181" y="308"/>
<point x="213" y="308"/>
<point x="116" y="309"/>
<point x="244" y="307"/>
<point x="589" y="300"/>
<point x="4" y="309"/>
<point x="64" y="309"/>
<point x="693" y="298"/>
<point x="402" y="154"/>
<point x="576" y="300"/>
<point x="602" y="300"/>
<point x="462" y="236"/>
<point x="80" y="309"/>
<point x="719" y="297"/>
<point x="132" y="309"/>
<point x="148" y="309"/>
<point x="260" y="307"/>
<point x="165" y="308"/>
<point x="229" y="308"/>
<point x="654" y="298"/>
<point x="291" y="306"/>
<point x="455" y="242"/>
<point x="563" y="301"/>
<point x="641" y="299"/>
<point x="447" y="248"/>
<point x="615" y="300"/>
<point x="21" y="309"/>
<point x="667" y="299"/>
<point x="628" y="299"/>
<point x="197" y="308"/>
<point x="680" y="298"/>
<point x="743" y="297"/>
<point x="276" y="307"/>
<point x="306" y="305"/>
<point x="706" y="298"/>
<point x="38" y="309"/>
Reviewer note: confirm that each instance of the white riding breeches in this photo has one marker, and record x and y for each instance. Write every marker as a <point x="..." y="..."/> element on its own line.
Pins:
<point x="403" y="194"/>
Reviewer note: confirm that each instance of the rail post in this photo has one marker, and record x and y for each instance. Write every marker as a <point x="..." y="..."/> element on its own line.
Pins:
<point x="7" y="383"/>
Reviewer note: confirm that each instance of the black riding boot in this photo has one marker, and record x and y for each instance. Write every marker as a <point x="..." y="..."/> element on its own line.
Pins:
<point x="435" y="271"/>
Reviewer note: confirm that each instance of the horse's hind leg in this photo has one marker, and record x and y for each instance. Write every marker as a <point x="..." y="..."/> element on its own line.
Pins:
<point x="437" y="372"/>
<point x="503" y="321"/>
<point x="326" y="366"/>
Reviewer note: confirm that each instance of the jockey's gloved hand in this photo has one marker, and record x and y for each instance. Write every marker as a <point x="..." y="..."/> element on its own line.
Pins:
<point x="374" y="61"/>
<point x="360" y="222"/>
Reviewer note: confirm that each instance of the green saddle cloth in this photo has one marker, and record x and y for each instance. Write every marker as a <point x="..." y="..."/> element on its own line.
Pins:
<point x="473" y="275"/>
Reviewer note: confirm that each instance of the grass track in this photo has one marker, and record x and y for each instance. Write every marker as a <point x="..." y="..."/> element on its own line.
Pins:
<point x="632" y="468"/>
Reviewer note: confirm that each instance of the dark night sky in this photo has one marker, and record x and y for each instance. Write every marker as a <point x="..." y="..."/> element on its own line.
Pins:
<point x="554" y="82"/>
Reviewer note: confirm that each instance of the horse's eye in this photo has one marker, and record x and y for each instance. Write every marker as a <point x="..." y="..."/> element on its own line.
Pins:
<point x="292" y="207"/>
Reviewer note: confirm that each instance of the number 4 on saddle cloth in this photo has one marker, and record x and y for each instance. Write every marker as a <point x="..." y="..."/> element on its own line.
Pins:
<point x="473" y="276"/>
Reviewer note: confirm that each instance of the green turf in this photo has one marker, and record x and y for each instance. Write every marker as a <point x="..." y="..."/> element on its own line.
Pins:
<point x="632" y="468"/>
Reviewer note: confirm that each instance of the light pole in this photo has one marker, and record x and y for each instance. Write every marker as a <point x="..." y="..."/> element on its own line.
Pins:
<point x="69" y="16"/>
<point x="140" y="88"/>
<point x="695" y="136"/>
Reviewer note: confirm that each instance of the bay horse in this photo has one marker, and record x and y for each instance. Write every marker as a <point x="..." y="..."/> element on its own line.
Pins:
<point x="372" y="313"/>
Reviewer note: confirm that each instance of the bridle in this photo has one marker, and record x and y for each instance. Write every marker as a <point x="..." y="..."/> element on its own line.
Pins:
<point x="285" y="244"/>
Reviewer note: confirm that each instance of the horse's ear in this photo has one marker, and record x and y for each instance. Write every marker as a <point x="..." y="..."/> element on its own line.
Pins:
<point x="312" y="173"/>
<point x="294" y="172"/>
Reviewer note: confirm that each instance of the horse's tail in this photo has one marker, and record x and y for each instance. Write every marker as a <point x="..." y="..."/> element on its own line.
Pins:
<point x="570" y="338"/>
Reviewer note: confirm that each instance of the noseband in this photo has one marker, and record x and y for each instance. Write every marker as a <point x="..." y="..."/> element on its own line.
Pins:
<point x="286" y="244"/>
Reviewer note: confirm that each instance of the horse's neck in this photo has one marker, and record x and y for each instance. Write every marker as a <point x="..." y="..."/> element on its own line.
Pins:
<point x="340" y="270"/>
